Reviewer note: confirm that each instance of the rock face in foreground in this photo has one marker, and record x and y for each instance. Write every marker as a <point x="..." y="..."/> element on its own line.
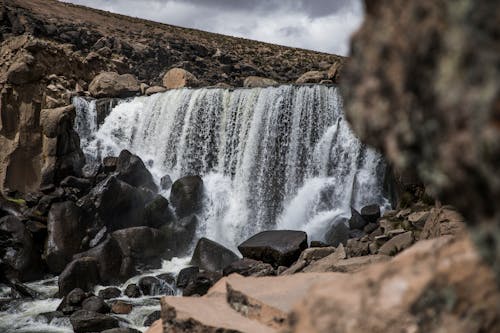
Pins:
<point x="430" y="99"/>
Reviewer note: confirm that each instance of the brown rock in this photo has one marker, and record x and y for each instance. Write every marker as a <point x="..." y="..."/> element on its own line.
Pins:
<point x="397" y="244"/>
<point x="258" y="82"/>
<point x="179" y="78"/>
<point x="120" y="307"/>
<point x="311" y="77"/>
<point x="112" y="84"/>
<point x="154" y="90"/>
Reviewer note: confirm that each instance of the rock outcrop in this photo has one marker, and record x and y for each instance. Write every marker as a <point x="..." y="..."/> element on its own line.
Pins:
<point x="179" y="78"/>
<point x="112" y="84"/>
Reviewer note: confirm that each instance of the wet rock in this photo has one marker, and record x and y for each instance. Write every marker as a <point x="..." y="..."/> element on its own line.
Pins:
<point x="47" y="317"/>
<point x="357" y="221"/>
<point x="120" y="307"/>
<point x="186" y="195"/>
<point x="186" y="275"/>
<point x="145" y="246"/>
<point x="80" y="273"/>
<point x="66" y="227"/>
<point x="132" y="291"/>
<point x="338" y="233"/>
<point x="168" y="278"/>
<point x="179" y="78"/>
<point x="96" y="304"/>
<point x="88" y="321"/>
<point x="20" y="260"/>
<point x="111" y="84"/>
<point x="249" y="267"/>
<point x="132" y="171"/>
<point x="397" y="244"/>
<point x="370" y="213"/>
<point x="158" y="212"/>
<point x="72" y="301"/>
<point x="276" y="247"/>
<point x="110" y="292"/>
<point x="109" y="164"/>
<point x="179" y="235"/>
<point x="151" y="318"/>
<point x="258" y="82"/>
<point x="201" y="283"/>
<point x="81" y="184"/>
<point x="211" y="256"/>
<point x="150" y="285"/>
<point x="166" y="182"/>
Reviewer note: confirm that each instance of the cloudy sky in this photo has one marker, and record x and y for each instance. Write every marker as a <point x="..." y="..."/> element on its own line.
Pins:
<point x="323" y="25"/>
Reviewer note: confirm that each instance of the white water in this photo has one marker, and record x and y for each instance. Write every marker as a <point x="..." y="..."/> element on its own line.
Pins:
<point x="279" y="157"/>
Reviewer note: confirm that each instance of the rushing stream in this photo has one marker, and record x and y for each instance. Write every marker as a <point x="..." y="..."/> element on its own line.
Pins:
<point x="279" y="157"/>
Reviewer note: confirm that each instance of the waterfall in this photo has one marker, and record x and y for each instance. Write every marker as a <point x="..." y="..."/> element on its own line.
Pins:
<point x="277" y="157"/>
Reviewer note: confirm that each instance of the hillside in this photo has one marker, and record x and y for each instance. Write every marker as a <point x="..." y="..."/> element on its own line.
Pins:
<point x="147" y="49"/>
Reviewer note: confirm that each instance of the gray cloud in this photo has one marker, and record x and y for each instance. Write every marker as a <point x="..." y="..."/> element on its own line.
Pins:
<point x="322" y="25"/>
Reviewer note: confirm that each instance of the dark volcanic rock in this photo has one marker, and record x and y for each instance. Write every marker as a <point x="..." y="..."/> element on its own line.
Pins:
<point x="186" y="275"/>
<point x="151" y="285"/>
<point x="132" y="291"/>
<point x="110" y="292"/>
<point x="370" y="213"/>
<point x="80" y="273"/>
<point x="88" y="321"/>
<point x="249" y="267"/>
<point x="179" y="235"/>
<point x="132" y="170"/>
<point x="357" y="221"/>
<point x="201" y="283"/>
<point x="186" y="195"/>
<point x="96" y="304"/>
<point x="276" y="247"/>
<point x="151" y="318"/>
<point x="67" y="227"/>
<point x="158" y="212"/>
<point x="211" y="256"/>
<point x="19" y="257"/>
<point x="338" y="233"/>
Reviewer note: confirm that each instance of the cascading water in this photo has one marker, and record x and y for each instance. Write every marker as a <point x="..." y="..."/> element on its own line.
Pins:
<point x="277" y="157"/>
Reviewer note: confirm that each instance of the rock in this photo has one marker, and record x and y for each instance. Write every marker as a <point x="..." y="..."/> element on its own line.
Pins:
<point x="120" y="307"/>
<point x="110" y="259"/>
<point x="143" y="245"/>
<point x="356" y="234"/>
<point x="166" y="182"/>
<point x="249" y="267"/>
<point x="117" y="204"/>
<point x="72" y="301"/>
<point x="81" y="184"/>
<point x="318" y="244"/>
<point x="47" y="317"/>
<point x="276" y="247"/>
<point x="357" y="248"/>
<point x="201" y="283"/>
<point x="167" y="278"/>
<point x="132" y="170"/>
<point x="311" y="77"/>
<point x="411" y="291"/>
<point x="110" y="164"/>
<point x="80" y="273"/>
<point x="95" y="304"/>
<point x="418" y="219"/>
<point x="211" y="256"/>
<point x="132" y="291"/>
<point x="111" y="84"/>
<point x="338" y="233"/>
<point x="88" y="321"/>
<point x="307" y="257"/>
<point x="122" y="330"/>
<point x="151" y="286"/>
<point x="110" y="292"/>
<point x="397" y="244"/>
<point x="357" y="221"/>
<point x="370" y="227"/>
<point x="179" y="78"/>
<point x="19" y="258"/>
<point x="157" y="212"/>
<point x="151" y="318"/>
<point x="186" y="195"/>
<point x="370" y="213"/>
<point x="155" y="90"/>
<point x="66" y="226"/>
<point x="333" y="71"/>
<point x="258" y="82"/>
<point x="186" y="275"/>
<point x="179" y="235"/>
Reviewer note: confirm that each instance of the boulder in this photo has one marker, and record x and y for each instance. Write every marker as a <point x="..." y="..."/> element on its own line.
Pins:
<point x="258" y="82"/>
<point x="121" y="330"/>
<point x="186" y="195"/>
<point x="397" y="244"/>
<point x="307" y="257"/>
<point x="179" y="78"/>
<point x="84" y="321"/>
<point x="110" y="292"/>
<point x="179" y="235"/>
<point x="201" y="283"/>
<point x="275" y="247"/>
<point x="95" y="304"/>
<point x="165" y="183"/>
<point x="151" y="318"/>
<point x="168" y="278"/>
<point x="117" y="204"/>
<point x="338" y="233"/>
<point x="249" y="267"/>
<point x="72" y="301"/>
<point x="186" y="275"/>
<point x="151" y="286"/>
<point x="81" y="184"/>
<point x="19" y="258"/>
<point x="111" y="84"/>
<point x="357" y="221"/>
<point x="370" y="213"/>
<point x="211" y="256"/>
<point x="81" y="273"/>
<point x="132" y="171"/>
<point x="145" y="246"/>
<point x="155" y="90"/>
<point x="311" y="77"/>
<point x="132" y="291"/>
<point x="67" y="226"/>
<point x="158" y="213"/>
<point x="120" y="307"/>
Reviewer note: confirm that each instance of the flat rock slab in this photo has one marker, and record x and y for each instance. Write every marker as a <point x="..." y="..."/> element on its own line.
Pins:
<point x="205" y="314"/>
<point x="270" y="299"/>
